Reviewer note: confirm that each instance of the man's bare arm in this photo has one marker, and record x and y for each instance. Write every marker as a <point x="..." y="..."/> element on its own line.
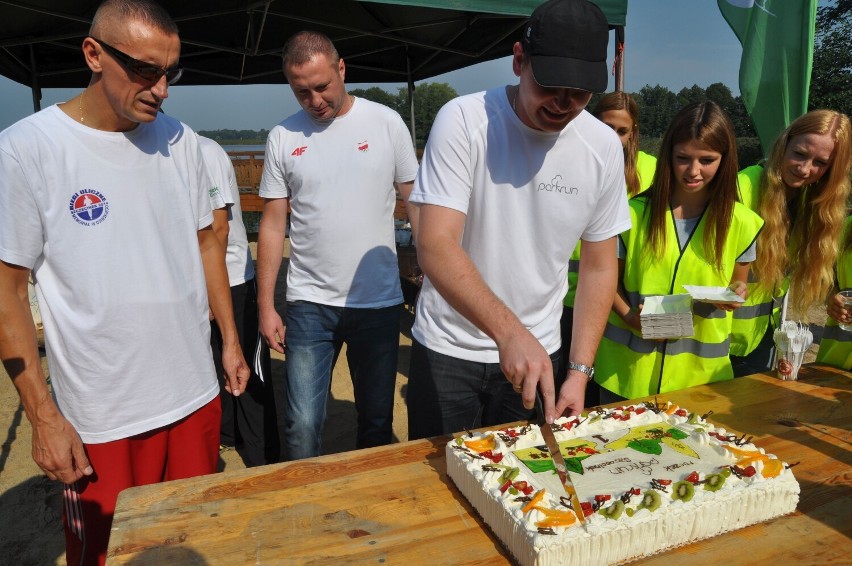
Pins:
<point x="221" y="227"/>
<point x="595" y="294"/>
<point x="270" y="248"/>
<point x="522" y="358"/>
<point x="411" y="208"/>
<point x="57" y="448"/>
<point x="219" y="297"/>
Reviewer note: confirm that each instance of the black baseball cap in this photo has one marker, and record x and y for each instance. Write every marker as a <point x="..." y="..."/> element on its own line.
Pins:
<point x="566" y="41"/>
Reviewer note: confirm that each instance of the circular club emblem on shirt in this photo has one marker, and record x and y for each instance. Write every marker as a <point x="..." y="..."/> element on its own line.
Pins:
<point x="89" y="207"/>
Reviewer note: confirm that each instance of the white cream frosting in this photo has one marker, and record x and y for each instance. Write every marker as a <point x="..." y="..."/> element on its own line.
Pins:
<point x="614" y="470"/>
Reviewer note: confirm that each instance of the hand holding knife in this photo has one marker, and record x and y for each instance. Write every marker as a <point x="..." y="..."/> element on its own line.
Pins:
<point x="558" y="460"/>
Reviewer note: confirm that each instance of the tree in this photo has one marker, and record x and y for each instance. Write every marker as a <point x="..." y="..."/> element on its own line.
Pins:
<point x="379" y="95"/>
<point x="690" y="95"/>
<point x="428" y="99"/>
<point x="657" y="106"/>
<point x="743" y="125"/>
<point x="831" y="78"/>
<point x="734" y="107"/>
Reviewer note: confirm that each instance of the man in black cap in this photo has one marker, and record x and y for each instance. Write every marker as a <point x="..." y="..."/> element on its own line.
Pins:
<point x="510" y="180"/>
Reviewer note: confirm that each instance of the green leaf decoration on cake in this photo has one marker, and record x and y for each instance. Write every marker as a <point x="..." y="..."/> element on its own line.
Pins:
<point x="574" y="464"/>
<point x="646" y="446"/>
<point x="677" y="433"/>
<point x="647" y="439"/>
<point x="574" y="451"/>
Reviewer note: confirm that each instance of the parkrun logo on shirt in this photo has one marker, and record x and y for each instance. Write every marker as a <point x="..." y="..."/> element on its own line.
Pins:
<point x="88" y="207"/>
<point x="556" y="186"/>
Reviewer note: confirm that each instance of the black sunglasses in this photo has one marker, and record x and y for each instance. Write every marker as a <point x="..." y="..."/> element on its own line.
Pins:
<point x="146" y="71"/>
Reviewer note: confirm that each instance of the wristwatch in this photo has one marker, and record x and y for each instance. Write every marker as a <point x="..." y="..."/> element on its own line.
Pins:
<point x="589" y="371"/>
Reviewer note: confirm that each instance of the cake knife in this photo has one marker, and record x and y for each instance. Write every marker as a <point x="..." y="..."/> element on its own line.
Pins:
<point x="558" y="460"/>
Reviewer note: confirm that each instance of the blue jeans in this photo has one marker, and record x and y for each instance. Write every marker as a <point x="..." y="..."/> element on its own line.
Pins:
<point x="314" y="335"/>
<point x="447" y="395"/>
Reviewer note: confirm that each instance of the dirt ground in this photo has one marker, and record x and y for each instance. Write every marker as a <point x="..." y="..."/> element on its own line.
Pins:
<point x="31" y="504"/>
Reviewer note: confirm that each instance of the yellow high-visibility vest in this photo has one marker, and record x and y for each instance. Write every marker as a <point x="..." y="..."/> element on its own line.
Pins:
<point x="835" y="349"/>
<point x="751" y="320"/>
<point x="646" y="164"/>
<point x="631" y="366"/>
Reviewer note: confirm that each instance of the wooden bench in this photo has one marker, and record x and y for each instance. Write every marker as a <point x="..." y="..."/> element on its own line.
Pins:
<point x="248" y="168"/>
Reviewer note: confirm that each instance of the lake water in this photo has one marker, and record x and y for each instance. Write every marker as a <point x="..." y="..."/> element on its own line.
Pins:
<point x="230" y="148"/>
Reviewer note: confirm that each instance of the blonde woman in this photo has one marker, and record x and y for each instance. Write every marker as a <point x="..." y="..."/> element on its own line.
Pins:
<point x="801" y="193"/>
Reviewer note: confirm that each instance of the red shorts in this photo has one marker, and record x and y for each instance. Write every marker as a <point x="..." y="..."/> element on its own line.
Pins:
<point x="187" y="448"/>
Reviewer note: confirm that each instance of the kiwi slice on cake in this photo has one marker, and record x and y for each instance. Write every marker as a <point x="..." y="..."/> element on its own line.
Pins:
<point x="714" y="482"/>
<point x="683" y="490"/>
<point x="614" y="511"/>
<point x="650" y="500"/>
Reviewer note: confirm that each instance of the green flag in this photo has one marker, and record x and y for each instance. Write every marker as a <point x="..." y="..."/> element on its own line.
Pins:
<point x="775" y="70"/>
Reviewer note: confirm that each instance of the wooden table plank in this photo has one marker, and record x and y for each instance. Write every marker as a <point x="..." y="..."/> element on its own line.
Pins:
<point x="395" y="504"/>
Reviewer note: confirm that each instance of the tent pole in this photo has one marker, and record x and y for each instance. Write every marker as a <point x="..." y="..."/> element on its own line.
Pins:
<point x="410" y="99"/>
<point x="618" y="60"/>
<point x="36" y="90"/>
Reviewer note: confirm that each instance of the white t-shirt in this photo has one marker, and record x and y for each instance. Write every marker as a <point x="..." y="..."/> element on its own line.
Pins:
<point x="529" y="196"/>
<point x="339" y="178"/>
<point x="237" y="255"/>
<point x="108" y="222"/>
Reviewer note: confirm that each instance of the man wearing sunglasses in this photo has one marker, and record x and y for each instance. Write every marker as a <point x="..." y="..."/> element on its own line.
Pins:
<point x="106" y="203"/>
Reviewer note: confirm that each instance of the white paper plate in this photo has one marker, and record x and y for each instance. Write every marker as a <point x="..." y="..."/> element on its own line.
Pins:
<point x="711" y="294"/>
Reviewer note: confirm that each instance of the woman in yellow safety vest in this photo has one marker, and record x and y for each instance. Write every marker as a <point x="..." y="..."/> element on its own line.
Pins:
<point x="801" y="192"/>
<point x="836" y="346"/>
<point x="620" y="112"/>
<point x="688" y="229"/>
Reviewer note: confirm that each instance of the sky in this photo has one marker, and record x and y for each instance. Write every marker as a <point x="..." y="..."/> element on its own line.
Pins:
<point x="673" y="43"/>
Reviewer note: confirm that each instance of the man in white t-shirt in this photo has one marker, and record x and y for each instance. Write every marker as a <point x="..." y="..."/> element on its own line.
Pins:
<point x="335" y="162"/>
<point x="511" y="179"/>
<point x="248" y="421"/>
<point x="107" y="205"/>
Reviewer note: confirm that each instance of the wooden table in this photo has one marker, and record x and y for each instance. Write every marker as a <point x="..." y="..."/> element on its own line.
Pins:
<point x="396" y="505"/>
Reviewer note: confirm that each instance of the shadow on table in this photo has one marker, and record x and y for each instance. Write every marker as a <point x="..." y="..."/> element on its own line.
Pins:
<point x="818" y="419"/>
<point x="170" y="555"/>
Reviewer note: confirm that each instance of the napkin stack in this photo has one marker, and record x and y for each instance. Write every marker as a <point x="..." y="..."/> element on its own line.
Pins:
<point x="667" y="316"/>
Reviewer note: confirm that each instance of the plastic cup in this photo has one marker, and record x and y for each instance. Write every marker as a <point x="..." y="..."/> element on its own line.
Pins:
<point x="789" y="365"/>
<point x="847" y="304"/>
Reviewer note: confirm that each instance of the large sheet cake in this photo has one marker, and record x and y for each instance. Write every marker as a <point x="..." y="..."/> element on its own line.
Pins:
<point x="649" y="478"/>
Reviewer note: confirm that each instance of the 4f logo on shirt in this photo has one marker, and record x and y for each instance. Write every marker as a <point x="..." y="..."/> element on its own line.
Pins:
<point x="88" y="207"/>
<point x="363" y="146"/>
<point x="299" y="151"/>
